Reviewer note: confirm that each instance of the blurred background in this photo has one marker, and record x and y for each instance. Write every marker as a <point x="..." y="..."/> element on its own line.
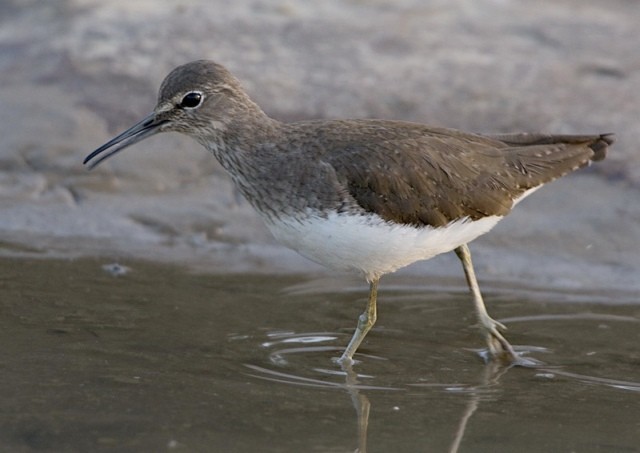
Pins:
<point x="74" y="73"/>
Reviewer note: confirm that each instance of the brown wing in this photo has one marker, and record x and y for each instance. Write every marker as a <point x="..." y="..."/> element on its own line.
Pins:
<point x="434" y="176"/>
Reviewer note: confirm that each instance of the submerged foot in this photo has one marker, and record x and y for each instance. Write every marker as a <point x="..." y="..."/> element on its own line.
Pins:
<point x="344" y="361"/>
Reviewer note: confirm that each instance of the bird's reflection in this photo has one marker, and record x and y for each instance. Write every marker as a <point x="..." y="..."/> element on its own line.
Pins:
<point x="360" y="403"/>
<point x="489" y="377"/>
<point x="491" y="374"/>
<point x="286" y="345"/>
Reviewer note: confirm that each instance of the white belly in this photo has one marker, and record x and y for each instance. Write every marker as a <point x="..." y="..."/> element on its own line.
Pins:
<point x="370" y="245"/>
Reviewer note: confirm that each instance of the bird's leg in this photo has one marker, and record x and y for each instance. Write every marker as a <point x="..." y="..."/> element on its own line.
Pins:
<point x="365" y="322"/>
<point x="499" y="347"/>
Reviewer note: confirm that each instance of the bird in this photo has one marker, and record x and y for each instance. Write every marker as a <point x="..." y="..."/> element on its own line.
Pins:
<point x="368" y="196"/>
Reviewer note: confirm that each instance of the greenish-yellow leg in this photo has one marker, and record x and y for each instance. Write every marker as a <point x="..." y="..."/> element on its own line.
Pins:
<point x="499" y="347"/>
<point x="365" y="323"/>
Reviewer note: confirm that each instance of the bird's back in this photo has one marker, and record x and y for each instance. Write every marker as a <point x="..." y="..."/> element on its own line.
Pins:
<point x="420" y="175"/>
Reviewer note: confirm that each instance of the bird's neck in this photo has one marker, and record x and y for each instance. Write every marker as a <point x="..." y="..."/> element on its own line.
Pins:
<point x="243" y="140"/>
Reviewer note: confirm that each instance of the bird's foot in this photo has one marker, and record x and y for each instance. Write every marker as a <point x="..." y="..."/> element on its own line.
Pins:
<point x="500" y="350"/>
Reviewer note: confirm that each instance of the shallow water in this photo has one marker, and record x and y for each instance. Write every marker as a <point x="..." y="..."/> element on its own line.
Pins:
<point x="153" y="358"/>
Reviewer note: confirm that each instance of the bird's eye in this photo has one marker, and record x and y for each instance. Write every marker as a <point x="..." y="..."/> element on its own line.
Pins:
<point x="191" y="100"/>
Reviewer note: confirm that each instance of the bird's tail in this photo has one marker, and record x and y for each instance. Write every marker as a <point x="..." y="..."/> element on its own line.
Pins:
<point x="537" y="159"/>
<point x="597" y="143"/>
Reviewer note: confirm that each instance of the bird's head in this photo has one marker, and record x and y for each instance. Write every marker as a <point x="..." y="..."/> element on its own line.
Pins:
<point x="200" y="99"/>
